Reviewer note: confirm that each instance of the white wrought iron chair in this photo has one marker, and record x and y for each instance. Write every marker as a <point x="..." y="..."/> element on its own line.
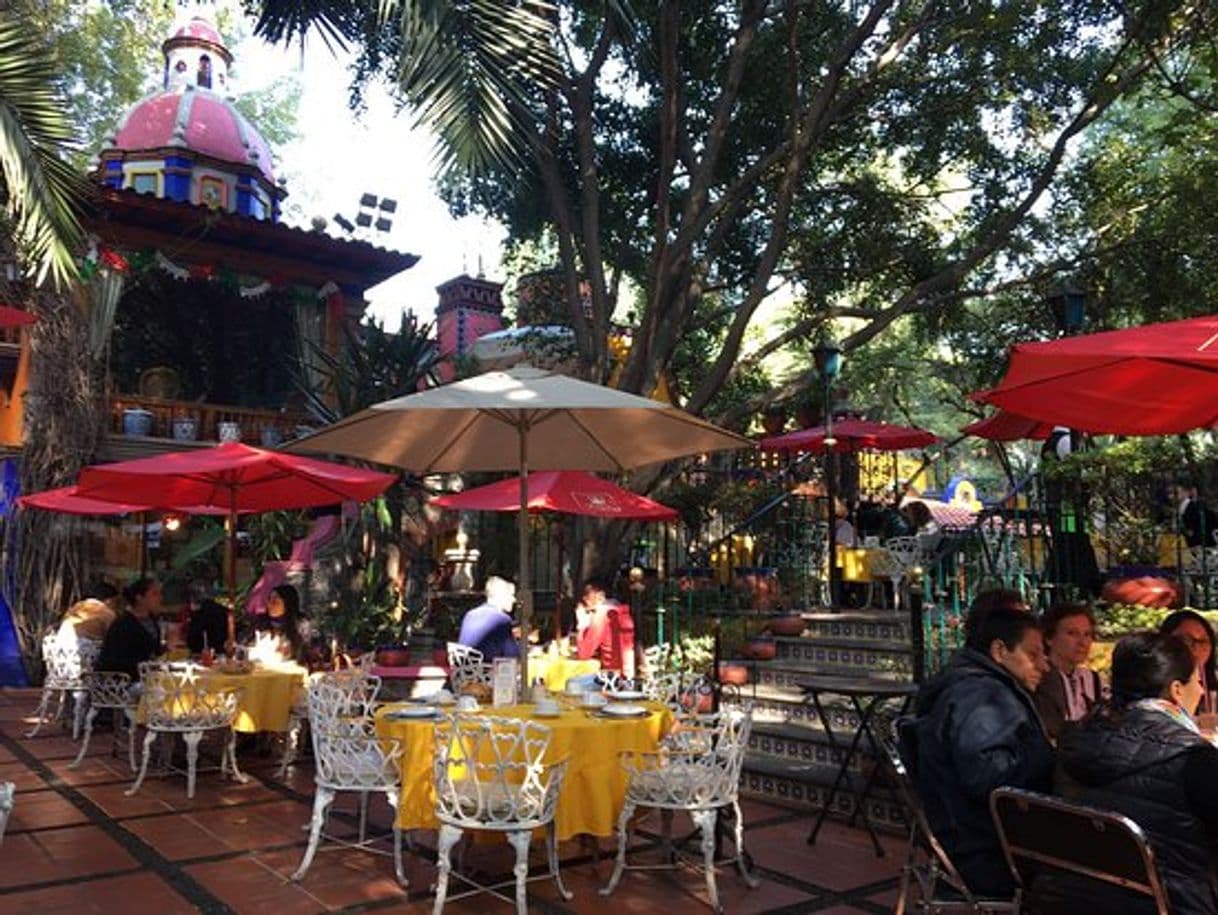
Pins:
<point x="699" y="781"/>
<point x="657" y="659"/>
<point x="898" y="557"/>
<point x="7" y="790"/>
<point x="67" y="660"/>
<point x="177" y="700"/>
<point x="491" y="774"/>
<point x="350" y="757"/>
<point x="467" y="665"/>
<point x="109" y="690"/>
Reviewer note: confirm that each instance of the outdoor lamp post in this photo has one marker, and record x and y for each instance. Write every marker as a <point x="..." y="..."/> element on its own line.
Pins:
<point x="828" y="357"/>
<point x="1069" y="306"/>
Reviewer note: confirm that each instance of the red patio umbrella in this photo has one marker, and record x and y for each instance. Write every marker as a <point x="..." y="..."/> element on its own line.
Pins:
<point x="15" y="317"/>
<point x="572" y="492"/>
<point x="852" y="435"/>
<point x="1005" y="426"/>
<point x="1156" y="379"/>
<point x="66" y="500"/>
<point x="233" y="478"/>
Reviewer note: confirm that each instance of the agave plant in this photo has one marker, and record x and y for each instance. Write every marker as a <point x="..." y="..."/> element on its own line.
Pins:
<point x="40" y="192"/>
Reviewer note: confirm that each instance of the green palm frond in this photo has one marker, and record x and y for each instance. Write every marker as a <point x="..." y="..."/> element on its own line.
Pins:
<point x="337" y="21"/>
<point x="41" y="191"/>
<point x="471" y="71"/>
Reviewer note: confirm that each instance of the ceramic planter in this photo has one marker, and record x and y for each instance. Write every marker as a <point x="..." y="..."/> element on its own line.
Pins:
<point x="137" y="422"/>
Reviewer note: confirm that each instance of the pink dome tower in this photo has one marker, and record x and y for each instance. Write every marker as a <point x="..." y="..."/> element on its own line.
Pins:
<point x="188" y="142"/>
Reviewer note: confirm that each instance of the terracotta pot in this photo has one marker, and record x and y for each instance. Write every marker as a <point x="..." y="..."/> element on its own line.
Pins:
<point x="760" y="649"/>
<point x="790" y="625"/>
<point x="393" y="657"/>
<point x="733" y="673"/>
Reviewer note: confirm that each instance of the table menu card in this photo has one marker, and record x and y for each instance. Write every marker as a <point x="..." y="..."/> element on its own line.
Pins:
<point x="505" y="681"/>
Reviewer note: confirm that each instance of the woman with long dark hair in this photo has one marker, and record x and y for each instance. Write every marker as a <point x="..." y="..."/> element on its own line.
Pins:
<point x="283" y="619"/>
<point x="1141" y="754"/>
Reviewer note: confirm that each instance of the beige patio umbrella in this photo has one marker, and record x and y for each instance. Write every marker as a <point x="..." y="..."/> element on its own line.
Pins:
<point x="520" y="420"/>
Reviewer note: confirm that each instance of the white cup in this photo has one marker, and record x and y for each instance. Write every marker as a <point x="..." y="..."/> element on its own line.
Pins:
<point x="547" y="707"/>
<point x="575" y="687"/>
<point x="595" y="700"/>
<point x="467" y="704"/>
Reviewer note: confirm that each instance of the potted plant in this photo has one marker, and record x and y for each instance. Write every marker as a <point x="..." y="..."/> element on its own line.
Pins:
<point x="185" y="428"/>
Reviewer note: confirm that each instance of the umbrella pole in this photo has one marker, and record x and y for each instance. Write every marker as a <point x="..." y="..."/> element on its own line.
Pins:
<point x="523" y="588"/>
<point x="230" y="568"/>
<point x="143" y="545"/>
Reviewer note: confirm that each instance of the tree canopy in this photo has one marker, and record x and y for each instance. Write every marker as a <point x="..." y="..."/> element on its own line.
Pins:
<point x="694" y="159"/>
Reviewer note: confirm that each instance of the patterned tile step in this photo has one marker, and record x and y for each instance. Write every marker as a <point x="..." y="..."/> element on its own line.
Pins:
<point x="867" y="661"/>
<point x="802" y="786"/>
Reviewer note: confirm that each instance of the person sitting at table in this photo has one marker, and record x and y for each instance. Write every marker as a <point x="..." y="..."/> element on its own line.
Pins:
<point x="91" y="616"/>
<point x="1071" y="689"/>
<point x="207" y="625"/>
<point x="488" y="627"/>
<point x="604" y="630"/>
<point x="135" y="636"/>
<point x="922" y="524"/>
<point x="1141" y="755"/>
<point x="843" y="531"/>
<point x="976" y="730"/>
<point x="283" y="621"/>
<point x="1198" y="635"/>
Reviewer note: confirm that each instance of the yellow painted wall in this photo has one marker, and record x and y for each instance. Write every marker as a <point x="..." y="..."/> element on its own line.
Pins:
<point x="11" y="406"/>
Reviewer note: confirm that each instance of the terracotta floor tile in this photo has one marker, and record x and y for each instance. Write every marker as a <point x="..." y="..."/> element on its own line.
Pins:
<point x="41" y="810"/>
<point x="56" y="854"/>
<point x="211" y="790"/>
<point x="93" y="770"/>
<point x="22" y="776"/>
<point x="133" y="894"/>
<point x="249" y="888"/>
<point x="113" y="801"/>
<point x="256" y="826"/>
<point x="341" y="877"/>
<point x="176" y="837"/>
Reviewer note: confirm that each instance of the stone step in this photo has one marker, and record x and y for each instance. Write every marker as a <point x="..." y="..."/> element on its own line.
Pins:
<point x="788" y="675"/>
<point x="868" y="660"/>
<point x="858" y="626"/>
<point x="804" y="786"/>
<point x="776" y="706"/>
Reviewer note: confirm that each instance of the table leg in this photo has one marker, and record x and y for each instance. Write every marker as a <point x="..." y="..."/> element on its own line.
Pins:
<point x="860" y="799"/>
<point x="843" y="771"/>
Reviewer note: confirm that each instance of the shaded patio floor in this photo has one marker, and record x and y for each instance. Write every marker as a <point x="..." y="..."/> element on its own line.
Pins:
<point x="75" y="844"/>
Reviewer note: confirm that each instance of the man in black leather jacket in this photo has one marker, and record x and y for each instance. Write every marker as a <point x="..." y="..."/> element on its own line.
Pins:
<point x="977" y="730"/>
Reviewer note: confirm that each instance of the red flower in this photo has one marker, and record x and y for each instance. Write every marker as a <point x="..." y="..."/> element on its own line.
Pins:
<point x="114" y="260"/>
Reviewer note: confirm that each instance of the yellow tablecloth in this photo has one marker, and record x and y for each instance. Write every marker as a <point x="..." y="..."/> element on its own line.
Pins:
<point x="555" y="671"/>
<point x="594" y="787"/>
<point x="1171" y="549"/>
<point x="855" y="563"/>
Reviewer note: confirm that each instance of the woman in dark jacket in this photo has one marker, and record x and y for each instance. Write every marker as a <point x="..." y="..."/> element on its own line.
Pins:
<point x="1142" y="755"/>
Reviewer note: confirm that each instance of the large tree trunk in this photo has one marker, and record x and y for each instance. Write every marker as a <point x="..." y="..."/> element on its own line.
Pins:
<point x="64" y="412"/>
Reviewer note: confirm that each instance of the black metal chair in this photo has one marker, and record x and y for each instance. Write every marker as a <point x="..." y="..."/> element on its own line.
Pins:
<point x="930" y="883"/>
<point x="1044" y="837"/>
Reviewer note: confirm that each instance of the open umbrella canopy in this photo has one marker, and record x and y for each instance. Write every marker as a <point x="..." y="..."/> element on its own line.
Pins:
<point x="1157" y="379"/>
<point x="481" y="423"/>
<point x="520" y="420"/>
<point x="1005" y="426"/>
<point x="852" y="435"/>
<point x="15" y="317"/>
<point x="232" y="478"/>
<point x="571" y="492"/>
<point x="66" y="500"/>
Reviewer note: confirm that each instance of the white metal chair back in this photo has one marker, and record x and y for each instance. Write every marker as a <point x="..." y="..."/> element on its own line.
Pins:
<point x="348" y="755"/>
<point x="491" y="774"/>
<point x="6" y="805"/>
<point x="66" y="659"/>
<point x="699" y="773"/>
<point x="467" y="665"/>
<point x="667" y="688"/>
<point x="177" y="699"/>
<point x="657" y="660"/>
<point x="109" y="690"/>
<point x="342" y="700"/>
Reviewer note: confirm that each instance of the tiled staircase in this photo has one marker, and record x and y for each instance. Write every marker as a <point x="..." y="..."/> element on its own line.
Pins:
<point x="790" y="759"/>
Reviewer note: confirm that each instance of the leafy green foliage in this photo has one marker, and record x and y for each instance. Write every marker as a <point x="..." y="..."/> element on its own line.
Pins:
<point x="40" y="193"/>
